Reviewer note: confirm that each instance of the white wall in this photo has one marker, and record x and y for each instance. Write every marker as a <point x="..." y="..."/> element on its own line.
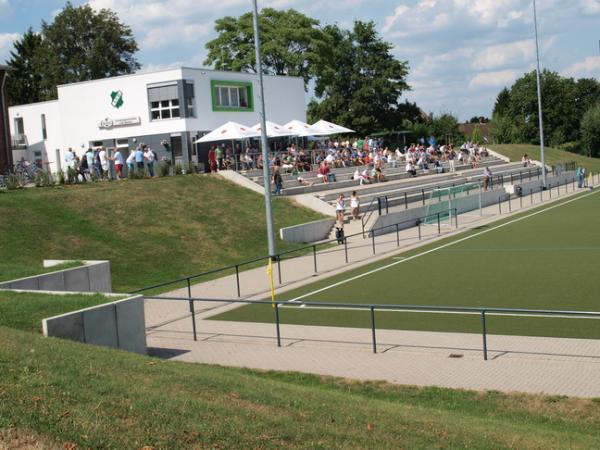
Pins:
<point x="284" y="99"/>
<point x="32" y="124"/>
<point x="84" y="105"/>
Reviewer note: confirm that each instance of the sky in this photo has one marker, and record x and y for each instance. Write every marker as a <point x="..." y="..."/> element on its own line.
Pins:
<point x="461" y="53"/>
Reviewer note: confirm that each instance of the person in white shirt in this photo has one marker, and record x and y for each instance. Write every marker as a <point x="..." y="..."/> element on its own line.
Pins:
<point x="70" y="158"/>
<point x="119" y="161"/>
<point x="103" y="162"/>
<point x="149" y="157"/>
<point x="130" y="162"/>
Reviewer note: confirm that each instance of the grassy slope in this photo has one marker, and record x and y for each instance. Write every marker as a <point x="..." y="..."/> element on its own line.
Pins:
<point x="25" y="310"/>
<point x="151" y="230"/>
<point x="547" y="261"/>
<point x="552" y="156"/>
<point x="56" y="391"/>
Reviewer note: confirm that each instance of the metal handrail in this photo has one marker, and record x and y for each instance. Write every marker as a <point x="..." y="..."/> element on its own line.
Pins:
<point x="372" y="308"/>
<point x="277" y="258"/>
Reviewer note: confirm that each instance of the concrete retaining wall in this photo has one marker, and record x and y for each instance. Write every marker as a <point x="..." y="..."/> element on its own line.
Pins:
<point x="307" y="232"/>
<point x="94" y="276"/>
<point x="119" y="324"/>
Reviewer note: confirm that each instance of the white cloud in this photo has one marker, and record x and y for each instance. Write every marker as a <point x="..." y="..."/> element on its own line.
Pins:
<point x="589" y="67"/>
<point x="6" y="44"/>
<point x="494" y="79"/>
<point x="500" y="55"/>
<point x="590" y="7"/>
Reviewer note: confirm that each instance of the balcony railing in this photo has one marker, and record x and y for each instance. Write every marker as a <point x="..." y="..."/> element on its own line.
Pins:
<point x="19" y="142"/>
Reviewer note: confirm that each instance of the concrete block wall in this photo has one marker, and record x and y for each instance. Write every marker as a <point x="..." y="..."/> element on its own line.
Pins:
<point x="120" y="324"/>
<point x="307" y="232"/>
<point x="93" y="276"/>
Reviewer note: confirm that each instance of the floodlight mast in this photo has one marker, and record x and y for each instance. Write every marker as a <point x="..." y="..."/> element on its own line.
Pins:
<point x="263" y="137"/>
<point x="539" y="96"/>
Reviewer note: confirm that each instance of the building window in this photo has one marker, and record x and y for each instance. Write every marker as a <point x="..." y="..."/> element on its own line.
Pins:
<point x="164" y="102"/>
<point x="122" y="143"/>
<point x="44" y="132"/>
<point x="189" y="99"/>
<point x="231" y="96"/>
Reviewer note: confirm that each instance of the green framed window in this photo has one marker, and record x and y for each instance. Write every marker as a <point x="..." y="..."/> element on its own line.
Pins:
<point x="232" y="96"/>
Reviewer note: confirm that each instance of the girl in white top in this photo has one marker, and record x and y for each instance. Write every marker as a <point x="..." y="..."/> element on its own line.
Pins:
<point x="340" y="207"/>
<point x="354" y="205"/>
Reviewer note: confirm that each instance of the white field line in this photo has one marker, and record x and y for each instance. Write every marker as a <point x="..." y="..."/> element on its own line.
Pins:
<point x="410" y="258"/>
<point x="466" y="313"/>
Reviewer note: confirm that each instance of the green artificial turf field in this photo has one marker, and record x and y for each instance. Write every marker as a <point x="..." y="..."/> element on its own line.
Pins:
<point x="541" y="259"/>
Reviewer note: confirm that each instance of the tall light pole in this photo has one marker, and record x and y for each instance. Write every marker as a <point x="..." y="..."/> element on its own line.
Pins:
<point x="263" y="137"/>
<point x="539" y="96"/>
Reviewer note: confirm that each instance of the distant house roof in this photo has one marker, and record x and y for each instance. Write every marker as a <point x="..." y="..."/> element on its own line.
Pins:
<point x="467" y="129"/>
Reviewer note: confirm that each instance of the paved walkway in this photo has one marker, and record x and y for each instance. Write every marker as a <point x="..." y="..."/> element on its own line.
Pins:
<point x="526" y="364"/>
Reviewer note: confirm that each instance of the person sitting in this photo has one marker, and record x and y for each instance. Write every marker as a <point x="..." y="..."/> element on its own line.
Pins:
<point x="323" y="172"/>
<point x="410" y="169"/>
<point x="439" y="168"/>
<point x="525" y="160"/>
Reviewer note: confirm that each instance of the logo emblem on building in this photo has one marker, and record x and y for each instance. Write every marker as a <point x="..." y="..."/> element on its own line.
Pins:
<point x="117" y="99"/>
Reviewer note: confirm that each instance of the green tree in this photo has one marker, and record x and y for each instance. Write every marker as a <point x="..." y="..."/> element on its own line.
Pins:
<point x="290" y="41"/>
<point x="590" y="131"/>
<point x="502" y="102"/>
<point x="444" y="127"/>
<point x="358" y="81"/>
<point x="586" y="94"/>
<point x="24" y="85"/>
<point x="82" y="44"/>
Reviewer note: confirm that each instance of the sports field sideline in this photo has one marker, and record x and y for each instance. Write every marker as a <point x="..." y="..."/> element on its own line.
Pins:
<point x="545" y="258"/>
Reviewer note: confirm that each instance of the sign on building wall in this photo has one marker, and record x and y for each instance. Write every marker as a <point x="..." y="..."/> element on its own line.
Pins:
<point x="117" y="99"/>
<point x="114" y="123"/>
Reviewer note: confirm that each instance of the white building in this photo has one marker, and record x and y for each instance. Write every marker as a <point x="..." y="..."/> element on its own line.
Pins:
<point x="171" y="106"/>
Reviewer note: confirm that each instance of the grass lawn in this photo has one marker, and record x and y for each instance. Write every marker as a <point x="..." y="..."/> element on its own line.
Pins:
<point x="552" y="156"/>
<point x="151" y="230"/>
<point x="63" y="394"/>
<point x="546" y="261"/>
<point x="25" y="310"/>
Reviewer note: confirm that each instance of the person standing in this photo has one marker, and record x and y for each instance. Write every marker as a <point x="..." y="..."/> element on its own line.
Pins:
<point x="89" y="155"/>
<point x="103" y="157"/>
<point x="130" y="162"/>
<point x="354" y="205"/>
<point x="340" y="207"/>
<point x="487" y="176"/>
<point x="219" y="155"/>
<point x="149" y="156"/>
<point x="139" y="159"/>
<point x="277" y="180"/>
<point x="451" y="158"/>
<point x="118" y="159"/>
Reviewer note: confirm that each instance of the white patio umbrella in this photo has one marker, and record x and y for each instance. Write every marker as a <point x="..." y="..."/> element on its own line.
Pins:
<point x="228" y="132"/>
<point x="274" y="129"/>
<point x="323" y="128"/>
<point x="299" y="128"/>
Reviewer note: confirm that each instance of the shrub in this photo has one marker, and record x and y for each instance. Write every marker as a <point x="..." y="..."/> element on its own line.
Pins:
<point x="164" y="169"/>
<point x="12" y="182"/>
<point x="191" y="167"/>
<point x="178" y="169"/>
<point x="60" y="177"/>
<point x="42" y="179"/>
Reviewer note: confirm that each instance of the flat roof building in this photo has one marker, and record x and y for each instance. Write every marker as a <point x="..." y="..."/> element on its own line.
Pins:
<point x="165" y="109"/>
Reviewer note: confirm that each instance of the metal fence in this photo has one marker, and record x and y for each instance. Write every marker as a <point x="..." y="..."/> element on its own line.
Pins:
<point x="438" y="216"/>
<point x="483" y="312"/>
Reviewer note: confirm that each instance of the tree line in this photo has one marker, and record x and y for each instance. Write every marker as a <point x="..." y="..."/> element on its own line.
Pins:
<point x="571" y="113"/>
